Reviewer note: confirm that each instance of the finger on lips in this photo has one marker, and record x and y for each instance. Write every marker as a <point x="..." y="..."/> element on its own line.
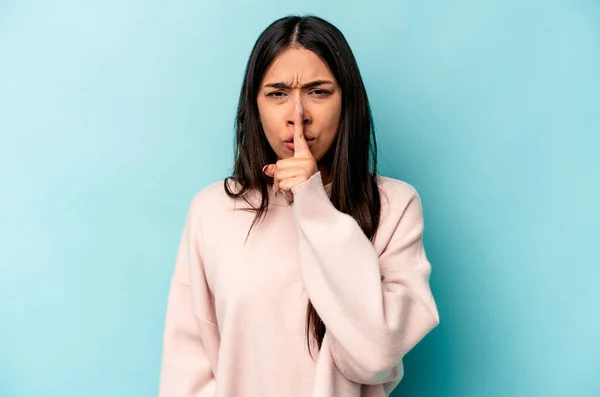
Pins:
<point x="300" y="144"/>
<point x="301" y="149"/>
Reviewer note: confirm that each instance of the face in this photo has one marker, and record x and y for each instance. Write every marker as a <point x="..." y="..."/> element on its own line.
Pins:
<point x="299" y="74"/>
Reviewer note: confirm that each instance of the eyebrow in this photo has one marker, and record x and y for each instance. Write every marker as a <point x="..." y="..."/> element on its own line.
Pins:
<point x="311" y="84"/>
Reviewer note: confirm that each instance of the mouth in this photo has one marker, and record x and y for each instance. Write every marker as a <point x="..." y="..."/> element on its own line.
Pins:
<point x="289" y="142"/>
<point x="290" y="138"/>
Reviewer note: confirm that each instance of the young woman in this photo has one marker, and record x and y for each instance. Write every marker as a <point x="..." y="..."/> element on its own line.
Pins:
<point x="304" y="273"/>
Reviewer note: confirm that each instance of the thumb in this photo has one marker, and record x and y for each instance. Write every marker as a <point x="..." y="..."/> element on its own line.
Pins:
<point x="269" y="170"/>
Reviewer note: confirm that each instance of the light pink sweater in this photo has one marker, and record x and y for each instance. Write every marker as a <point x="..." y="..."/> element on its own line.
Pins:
<point x="235" y="323"/>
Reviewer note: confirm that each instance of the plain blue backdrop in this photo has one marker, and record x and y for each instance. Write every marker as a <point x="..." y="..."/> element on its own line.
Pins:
<point x="114" y="114"/>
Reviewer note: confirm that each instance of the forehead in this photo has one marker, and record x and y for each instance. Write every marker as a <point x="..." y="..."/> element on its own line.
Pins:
<point x="297" y="64"/>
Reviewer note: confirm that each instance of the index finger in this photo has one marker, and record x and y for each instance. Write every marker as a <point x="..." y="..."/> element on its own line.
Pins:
<point x="300" y="144"/>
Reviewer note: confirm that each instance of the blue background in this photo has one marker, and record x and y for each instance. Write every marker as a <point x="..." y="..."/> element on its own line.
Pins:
<point x="114" y="114"/>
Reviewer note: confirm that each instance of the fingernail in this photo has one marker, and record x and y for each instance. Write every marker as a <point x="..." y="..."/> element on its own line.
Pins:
<point x="264" y="168"/>
<point x="300" y="107"/>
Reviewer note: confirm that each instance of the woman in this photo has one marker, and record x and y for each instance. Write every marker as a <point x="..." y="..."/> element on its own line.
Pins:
<point x="304" y="273"/>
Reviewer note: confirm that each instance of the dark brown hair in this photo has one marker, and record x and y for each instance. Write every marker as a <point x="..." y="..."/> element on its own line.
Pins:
<point x="352" y="159"/>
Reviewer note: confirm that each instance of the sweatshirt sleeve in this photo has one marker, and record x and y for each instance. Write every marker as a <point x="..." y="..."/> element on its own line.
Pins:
<point x="186" y="368"/>
<point x="376" y="307"/>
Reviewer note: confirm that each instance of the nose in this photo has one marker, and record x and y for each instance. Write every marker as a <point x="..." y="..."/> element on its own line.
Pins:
<point x="306" y="118"/>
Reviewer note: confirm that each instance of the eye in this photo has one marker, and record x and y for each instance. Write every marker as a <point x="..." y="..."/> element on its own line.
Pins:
<point x="276" y="94"/>
<point x="321" y="92"/>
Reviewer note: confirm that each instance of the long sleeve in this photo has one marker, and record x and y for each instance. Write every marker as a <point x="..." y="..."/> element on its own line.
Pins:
<point x="375" y="307"/>
<point x="186" y="369"/>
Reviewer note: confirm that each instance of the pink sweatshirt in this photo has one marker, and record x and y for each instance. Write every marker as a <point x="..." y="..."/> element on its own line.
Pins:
<point x="235" y="322"/>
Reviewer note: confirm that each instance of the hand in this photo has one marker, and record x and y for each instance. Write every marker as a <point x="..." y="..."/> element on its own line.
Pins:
<point x="290" y="172"/>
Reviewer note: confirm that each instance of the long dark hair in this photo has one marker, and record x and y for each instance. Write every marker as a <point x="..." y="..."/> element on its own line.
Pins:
<point x="352" y="159"/>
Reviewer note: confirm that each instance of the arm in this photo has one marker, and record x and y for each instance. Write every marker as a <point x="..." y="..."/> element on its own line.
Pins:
<point x="186" y="367"/>
<point x="375" y="308"/>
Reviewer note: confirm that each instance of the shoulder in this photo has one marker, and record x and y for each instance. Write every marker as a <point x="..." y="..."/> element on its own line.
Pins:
<point x="396" y="190"/>
<point x="398" y="198"/>
<point x="212" y="198"/>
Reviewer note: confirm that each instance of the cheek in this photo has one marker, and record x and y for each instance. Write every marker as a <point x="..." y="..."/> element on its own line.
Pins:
<point x="331" y="121"/>
<point x="268" y="119"/>
<point x="271" y="120"/>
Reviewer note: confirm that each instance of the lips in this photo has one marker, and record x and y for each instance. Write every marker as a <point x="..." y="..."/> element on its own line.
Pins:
<point x="308" y="138"/>
<point x="290" y="145"/>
